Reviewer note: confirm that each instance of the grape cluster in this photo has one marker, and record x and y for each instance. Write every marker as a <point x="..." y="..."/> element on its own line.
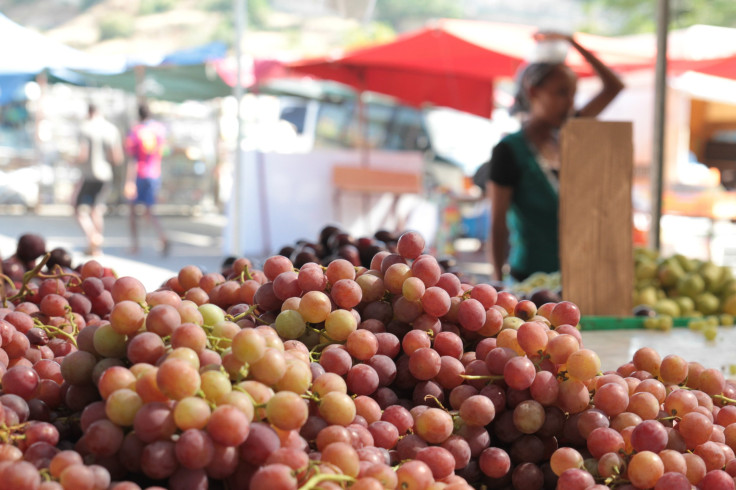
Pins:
<point x="396" y="375"/>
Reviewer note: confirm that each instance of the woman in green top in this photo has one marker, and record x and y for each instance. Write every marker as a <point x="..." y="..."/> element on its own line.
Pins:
<point x="524" y="165"/>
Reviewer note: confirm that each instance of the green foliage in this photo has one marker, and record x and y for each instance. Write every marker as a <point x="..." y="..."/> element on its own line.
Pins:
<point x="218" y="5"/>
<point x="618" y="17"/>
<point x="399" y="14"/>
<point x="257" y="10"/>
<point x="713" y="12"/>
<point x="148" y="7"/>
<point x="375" y="32"/>
<point x="224" y="32"/>
<point x="116" y="25"/>
<point x="84" y="5"/>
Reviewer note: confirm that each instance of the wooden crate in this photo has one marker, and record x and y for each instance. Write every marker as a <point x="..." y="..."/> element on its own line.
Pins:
<point x="371" y="181"/>
<point x="596" y="244"/>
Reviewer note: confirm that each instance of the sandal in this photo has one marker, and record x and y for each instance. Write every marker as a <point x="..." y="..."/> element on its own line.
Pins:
<point x="92" y="251"/>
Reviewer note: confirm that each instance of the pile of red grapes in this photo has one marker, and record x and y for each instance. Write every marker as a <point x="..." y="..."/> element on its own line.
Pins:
<point x="393" y="376"/>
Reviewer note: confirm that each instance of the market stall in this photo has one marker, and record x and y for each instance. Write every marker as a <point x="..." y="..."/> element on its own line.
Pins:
<point x="367" y="362"/>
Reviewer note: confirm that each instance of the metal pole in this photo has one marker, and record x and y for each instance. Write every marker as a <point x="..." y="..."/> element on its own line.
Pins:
<point x="660" y="98"/>
<point x="240" y="13"/>
<point x="368" y="15"/>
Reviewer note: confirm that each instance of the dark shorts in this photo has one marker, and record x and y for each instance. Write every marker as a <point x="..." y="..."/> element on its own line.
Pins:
<point x="92" y="193"/>
<point x="147" y="190"/>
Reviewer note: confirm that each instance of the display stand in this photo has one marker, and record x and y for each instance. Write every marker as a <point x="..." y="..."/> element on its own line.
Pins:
<point x="367" y="181"/>
<point x="291" y="197"/>
<point x="596" y="243"/>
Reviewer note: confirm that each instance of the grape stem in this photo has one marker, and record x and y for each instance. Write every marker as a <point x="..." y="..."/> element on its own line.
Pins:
<point x="491" y="377"/>
<point x="619" y="481"/>
<point x="314" y="355"/>
<point x="316" y="351"/>
<point x="70" y="317"/>
<point x="314" y="481"/>
<point x="246" y="313"/>
<point x="542" y="357"/>
<point x="30" y="275"/>
<point x="724" y="399"/>
<point x="54" y="331"/>
<point x="311" y="396"/>
<point x="322" y="334"/>
<point x="3" y="280"/>
<point x="243" y="373"/>
<point x="256" y="405"/>
<point x="261" y="321"/>
<point x="201" y="394"/>
<point x="245" y="275"/>
<point x="215" y="342"/>
<point x="45" y="474"/>
<point x="436" y="400"/>
<point x="59" y="273"/>
<point x="8" y="433"/>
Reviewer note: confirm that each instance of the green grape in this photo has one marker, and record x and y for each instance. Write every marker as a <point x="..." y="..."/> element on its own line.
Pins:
<point x="665" y="323"/>
<point x="290" y="325"/>
<point x="211" y="314"/>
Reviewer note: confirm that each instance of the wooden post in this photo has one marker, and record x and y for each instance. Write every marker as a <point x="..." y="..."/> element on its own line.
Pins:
<point x="596" y="243"/>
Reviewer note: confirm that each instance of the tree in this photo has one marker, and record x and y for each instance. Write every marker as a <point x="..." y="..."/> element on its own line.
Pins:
<point x="373" y="33"/>
<point x="617" y="17"/>
<point x="257" y="10"/>
<point x="403" y="14"/>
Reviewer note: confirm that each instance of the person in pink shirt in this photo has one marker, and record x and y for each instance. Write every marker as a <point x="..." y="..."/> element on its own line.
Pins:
<point x="145" y="145"/>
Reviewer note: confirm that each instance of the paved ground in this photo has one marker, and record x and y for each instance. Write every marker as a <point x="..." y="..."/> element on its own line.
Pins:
<point x="195" y="240"/>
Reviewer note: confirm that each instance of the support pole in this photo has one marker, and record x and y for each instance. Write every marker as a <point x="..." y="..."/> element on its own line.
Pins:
<point x="237" y="245"/>
<point x="660" y="98"/>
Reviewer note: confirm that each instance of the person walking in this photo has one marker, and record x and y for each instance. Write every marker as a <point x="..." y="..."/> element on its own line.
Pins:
<point x="145" y="145"/>
<point x="524" y="166"/>
<point x="99" y="149"/>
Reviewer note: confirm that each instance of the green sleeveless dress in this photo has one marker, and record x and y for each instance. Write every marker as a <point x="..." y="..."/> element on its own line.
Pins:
<point x="532" y="217"/>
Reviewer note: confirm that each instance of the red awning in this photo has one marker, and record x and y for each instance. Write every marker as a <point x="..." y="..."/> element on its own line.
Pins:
<point x="254" y="71"/>
<point x="452" y="63"/>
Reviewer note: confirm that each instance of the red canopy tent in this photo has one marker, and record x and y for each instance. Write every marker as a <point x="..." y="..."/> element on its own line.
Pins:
<point x="451" y="63"/>
<point x="723" y="67"/>
<point x="699" y="48"/>
<point x="256" y="71"/>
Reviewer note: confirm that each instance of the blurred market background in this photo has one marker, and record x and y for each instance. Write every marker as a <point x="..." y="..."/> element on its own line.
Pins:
<point x="296" y="128"/>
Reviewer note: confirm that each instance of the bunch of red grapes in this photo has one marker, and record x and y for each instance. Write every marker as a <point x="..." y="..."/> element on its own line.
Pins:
<point x="392" y="376"/>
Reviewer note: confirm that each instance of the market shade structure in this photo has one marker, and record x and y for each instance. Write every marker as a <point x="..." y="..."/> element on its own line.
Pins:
<point x="187" y="74"/>
<point x="451" y="63"/>
<point x="255" y="70"/>
<point x="175" y="83"/>
<point x="27" y="53"/>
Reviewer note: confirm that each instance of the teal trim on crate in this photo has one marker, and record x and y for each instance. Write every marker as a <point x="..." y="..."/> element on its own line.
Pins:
<point x="623" y="322"/>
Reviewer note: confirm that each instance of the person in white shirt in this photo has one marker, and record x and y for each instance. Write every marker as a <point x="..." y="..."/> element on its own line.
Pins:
<point x="100" y="148"/>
